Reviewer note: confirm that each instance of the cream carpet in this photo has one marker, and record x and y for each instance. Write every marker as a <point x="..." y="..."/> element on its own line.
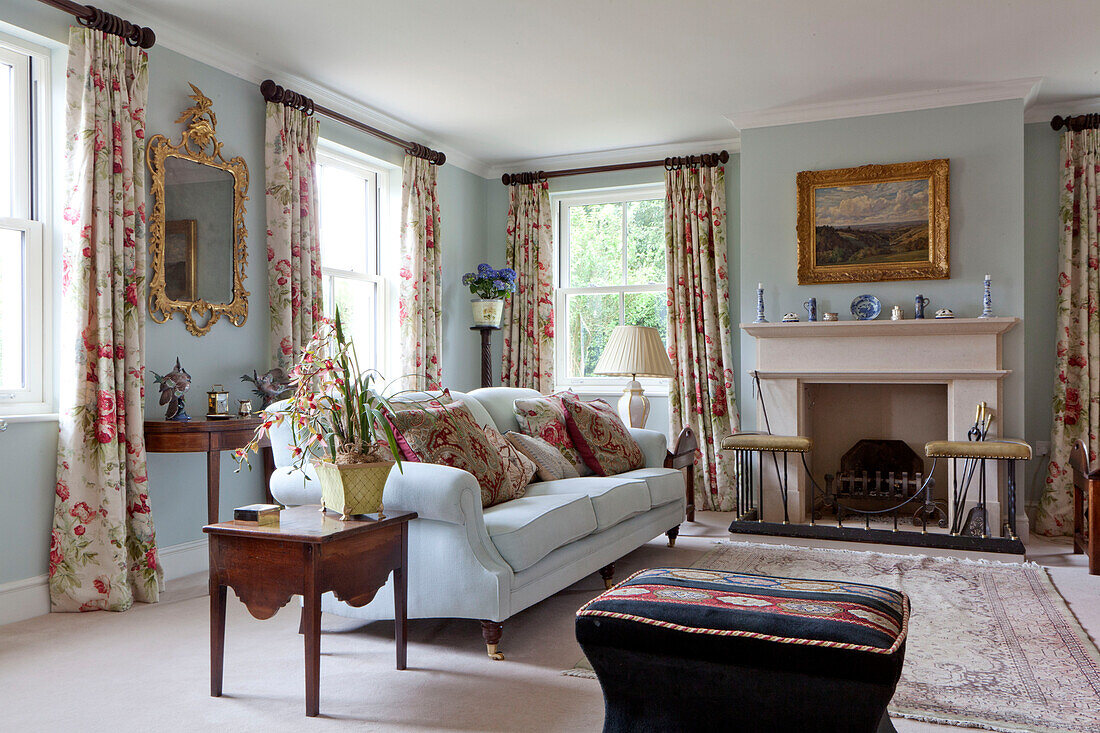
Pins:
<point x="148" y="669"/>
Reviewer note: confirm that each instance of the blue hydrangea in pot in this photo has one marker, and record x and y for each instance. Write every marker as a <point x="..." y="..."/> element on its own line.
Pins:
<point x="492" y="287"/>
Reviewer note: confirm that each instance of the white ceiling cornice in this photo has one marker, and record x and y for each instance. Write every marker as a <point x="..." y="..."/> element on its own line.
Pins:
<point x="243" y="67"/>
<point x="1024" y="89"/>
<point x="618" y="155"/>
<point x="1043" y="112"/>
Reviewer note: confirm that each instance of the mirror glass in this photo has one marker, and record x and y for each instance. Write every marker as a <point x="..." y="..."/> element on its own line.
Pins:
<point x="198" y="231"/>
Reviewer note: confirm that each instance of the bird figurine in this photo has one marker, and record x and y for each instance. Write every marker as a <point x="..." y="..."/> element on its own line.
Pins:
<point x="172" y="386"/>
<point x="270" y="386"/>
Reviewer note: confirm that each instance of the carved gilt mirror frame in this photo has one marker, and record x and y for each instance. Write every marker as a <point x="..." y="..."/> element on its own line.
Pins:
<point x="199" y="315"/>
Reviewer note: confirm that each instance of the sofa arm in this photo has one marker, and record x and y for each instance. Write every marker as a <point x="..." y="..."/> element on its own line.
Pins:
<point x="654" y="446"/>
<point x="433" y="491"/>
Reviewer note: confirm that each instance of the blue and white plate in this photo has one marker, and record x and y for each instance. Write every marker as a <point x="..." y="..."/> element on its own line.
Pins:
<point x="866" y="308"/>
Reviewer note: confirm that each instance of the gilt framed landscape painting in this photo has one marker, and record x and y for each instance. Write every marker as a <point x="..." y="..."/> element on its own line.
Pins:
<point x="873" y="223"/>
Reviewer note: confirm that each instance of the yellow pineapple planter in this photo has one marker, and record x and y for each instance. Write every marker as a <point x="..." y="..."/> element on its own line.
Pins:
<point x="353" y="488"/>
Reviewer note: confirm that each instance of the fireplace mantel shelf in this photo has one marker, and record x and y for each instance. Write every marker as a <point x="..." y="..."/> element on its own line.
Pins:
<point x="882" y="376"/>
<point x="912" y="327"/>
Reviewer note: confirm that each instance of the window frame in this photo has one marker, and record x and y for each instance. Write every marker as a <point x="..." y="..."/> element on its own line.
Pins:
<point x="333" y="154"/>
<point x="31" y="214"/>
<point x="559" y="206"/>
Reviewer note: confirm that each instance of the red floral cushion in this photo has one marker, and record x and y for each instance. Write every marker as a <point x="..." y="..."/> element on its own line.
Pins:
<point x="517" y="467"/>
<point x="407" y="453"/>
<point x="544" y="417"/>
<point x="449" y="435"/>
<point x="601" y="438"/>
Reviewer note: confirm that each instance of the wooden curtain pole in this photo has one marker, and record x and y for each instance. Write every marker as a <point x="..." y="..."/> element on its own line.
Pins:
<point x="707" y="159"/>
<point x="101" y="20"/>
<point x="274" y="93"/>
<point x="1076" y="124"/>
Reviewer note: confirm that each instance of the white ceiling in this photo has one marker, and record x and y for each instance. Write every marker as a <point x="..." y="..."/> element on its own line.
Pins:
<point x="510" y="80"/>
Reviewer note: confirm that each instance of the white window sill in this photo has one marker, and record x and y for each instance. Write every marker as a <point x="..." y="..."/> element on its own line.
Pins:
<point x="32" y="417"/>
<point x="615" y="388"/>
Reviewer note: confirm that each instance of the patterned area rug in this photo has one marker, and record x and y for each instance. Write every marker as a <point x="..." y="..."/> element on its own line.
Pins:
<point x="991" y="645"/>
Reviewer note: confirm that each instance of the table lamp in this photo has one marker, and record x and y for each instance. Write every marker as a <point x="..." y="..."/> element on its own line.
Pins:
<point x="634" y="351"/>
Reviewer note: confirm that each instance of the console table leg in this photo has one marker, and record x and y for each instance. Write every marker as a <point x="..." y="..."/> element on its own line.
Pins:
<point x="400" y="601"/>
<point x="213" y="476"/>
<point x="217" y="637"/>
<point x="311" y="615"/>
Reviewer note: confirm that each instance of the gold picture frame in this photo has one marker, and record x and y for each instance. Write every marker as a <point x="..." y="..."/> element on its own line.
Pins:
<point x="198" y="314"/>
<point x="874" y="223"/>
<point x="181" y="259"/>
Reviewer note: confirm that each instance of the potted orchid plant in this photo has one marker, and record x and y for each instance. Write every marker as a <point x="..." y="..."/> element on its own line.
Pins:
<point x="339" y="420"/>
<point x="491" y="286"/>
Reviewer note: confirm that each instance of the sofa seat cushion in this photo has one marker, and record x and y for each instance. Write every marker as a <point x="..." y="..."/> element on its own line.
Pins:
<point x="527" y="529"/>
<point x="614" y="498"/>
<point x="666" y="485"/>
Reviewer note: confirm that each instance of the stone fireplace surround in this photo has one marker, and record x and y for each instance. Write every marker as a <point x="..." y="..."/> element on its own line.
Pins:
<point x="963" y="354"/>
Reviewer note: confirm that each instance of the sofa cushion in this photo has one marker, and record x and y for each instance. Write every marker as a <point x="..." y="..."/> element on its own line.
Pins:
<point x="496" y="402"/>
<point x="518" y="468"/>
<point x="613" y="497"/>
<point x="601" y="437"/>
<point x="448" y="435"/>
<point x="528" y="529"/>
<point x="666" y="485"/>
<point x="549" y="462"/>
<point x="544" y="417"/>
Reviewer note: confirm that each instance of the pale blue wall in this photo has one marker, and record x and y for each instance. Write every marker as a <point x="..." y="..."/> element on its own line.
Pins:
<point x="985" y="145"/>
<point x="177" y="482"/>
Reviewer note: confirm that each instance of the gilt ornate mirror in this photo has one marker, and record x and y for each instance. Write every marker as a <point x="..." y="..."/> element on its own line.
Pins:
<point x="196" y="231"/>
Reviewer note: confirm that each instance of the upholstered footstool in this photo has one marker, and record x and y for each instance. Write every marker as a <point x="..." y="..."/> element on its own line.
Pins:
<point x="685" y="649"/>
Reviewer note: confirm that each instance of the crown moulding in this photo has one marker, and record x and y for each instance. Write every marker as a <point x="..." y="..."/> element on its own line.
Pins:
<point x="1024" y="89"/>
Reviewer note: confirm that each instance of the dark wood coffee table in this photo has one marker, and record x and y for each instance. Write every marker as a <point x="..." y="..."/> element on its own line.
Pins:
<point x="307" y="553"/>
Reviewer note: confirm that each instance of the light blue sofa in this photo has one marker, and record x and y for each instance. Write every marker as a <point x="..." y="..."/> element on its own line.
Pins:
<point x="488" y="564"/>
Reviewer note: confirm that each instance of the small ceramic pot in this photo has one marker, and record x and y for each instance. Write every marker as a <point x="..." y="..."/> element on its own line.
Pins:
<point x="830" y="317"/>
<point x="895" y="313"/>
<point x="487" y="312"/>
<point x="945" y="313"/>
<point x="790" y="318"/>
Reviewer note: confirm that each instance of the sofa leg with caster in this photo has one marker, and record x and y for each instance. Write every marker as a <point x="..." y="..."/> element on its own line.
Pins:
<point x="607" y="572"/>
<point x="672" y="534"/>
<point x="491" y="632"/>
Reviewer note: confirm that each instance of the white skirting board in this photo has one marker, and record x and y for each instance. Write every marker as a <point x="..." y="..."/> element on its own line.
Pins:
<point x="30" y="597"/>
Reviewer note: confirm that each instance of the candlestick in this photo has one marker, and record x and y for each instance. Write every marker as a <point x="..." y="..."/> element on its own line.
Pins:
<point x="987" y="300"/>
<point x="760" y="304"/>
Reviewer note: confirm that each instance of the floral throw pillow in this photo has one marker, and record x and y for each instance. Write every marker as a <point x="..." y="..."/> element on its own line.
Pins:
<point x="444" y="398"/>
<point x="549" y="462"/>
<point x="449" y="435"/>
<point x="601" y="438"/>
<point x="544" y="417"/>
<point x="517" y="467"/>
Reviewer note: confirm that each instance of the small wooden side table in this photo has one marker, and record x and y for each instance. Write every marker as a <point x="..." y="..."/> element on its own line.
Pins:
<point x="307" y="553"/>
<point x="210" y="437"/>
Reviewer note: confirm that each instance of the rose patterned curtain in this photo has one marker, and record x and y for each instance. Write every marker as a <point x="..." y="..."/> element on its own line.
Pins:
<point x="1077" y="388"/>
<point x="293" y="247"/>
<point x="421" y="292"/>
<point x="528" y="323"/>
<point x="699" y="340"/>
<point x="103" y="552"/>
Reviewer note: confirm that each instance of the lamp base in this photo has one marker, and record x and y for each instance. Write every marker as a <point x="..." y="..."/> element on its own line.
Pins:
<point x="634" y="405"/>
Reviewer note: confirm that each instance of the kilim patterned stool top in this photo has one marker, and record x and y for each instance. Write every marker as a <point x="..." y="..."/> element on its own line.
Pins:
<point x="691" y="649"/>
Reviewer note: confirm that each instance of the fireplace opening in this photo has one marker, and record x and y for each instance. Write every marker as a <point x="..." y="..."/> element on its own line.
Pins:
<point x="874" y="475"/>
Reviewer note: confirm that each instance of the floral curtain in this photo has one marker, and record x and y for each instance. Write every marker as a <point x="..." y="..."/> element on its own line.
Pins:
<point x="528" y="324"/>
<point x="293" y="247"/>
<point x="421" y="294"/>
<point x="1077" y="388"/>
<point x="699" y="340"/>
<point x="103" y="552"/>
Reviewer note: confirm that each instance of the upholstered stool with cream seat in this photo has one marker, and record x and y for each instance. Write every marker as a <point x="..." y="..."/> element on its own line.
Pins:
<point x="750" y="473"/>
<point x="974" y="454"/>
<point x="689" y="649"/>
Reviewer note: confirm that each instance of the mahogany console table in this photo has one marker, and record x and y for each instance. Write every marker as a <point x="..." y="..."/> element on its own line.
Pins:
<point x="210" y="437"/>
<point x="308" y="552"/>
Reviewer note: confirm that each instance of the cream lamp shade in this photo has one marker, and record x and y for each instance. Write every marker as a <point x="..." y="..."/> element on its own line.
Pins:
<point x="634" y="351"/>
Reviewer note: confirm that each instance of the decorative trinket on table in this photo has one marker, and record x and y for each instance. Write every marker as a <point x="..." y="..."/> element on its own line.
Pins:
<point x="244" y="408"/>
<point x="919" y="304"/>
<point x="866" y="307"/>
<point x="491" y="286"/>
<point x="259" y="513"/>
<point x="945" y="313"/>
<point x="873" y="223"/>
<point x="760" y="304"/>
<point x="830" y="317"/>
<point x="790" y="318"/>
<point x="987" y="300"/>
<point x="172" y="386"/>
<point x="217" y="403"/>
<point x="895" y="313"/>
<point x="811" y="309"/>
<point x="271" y="386"/>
